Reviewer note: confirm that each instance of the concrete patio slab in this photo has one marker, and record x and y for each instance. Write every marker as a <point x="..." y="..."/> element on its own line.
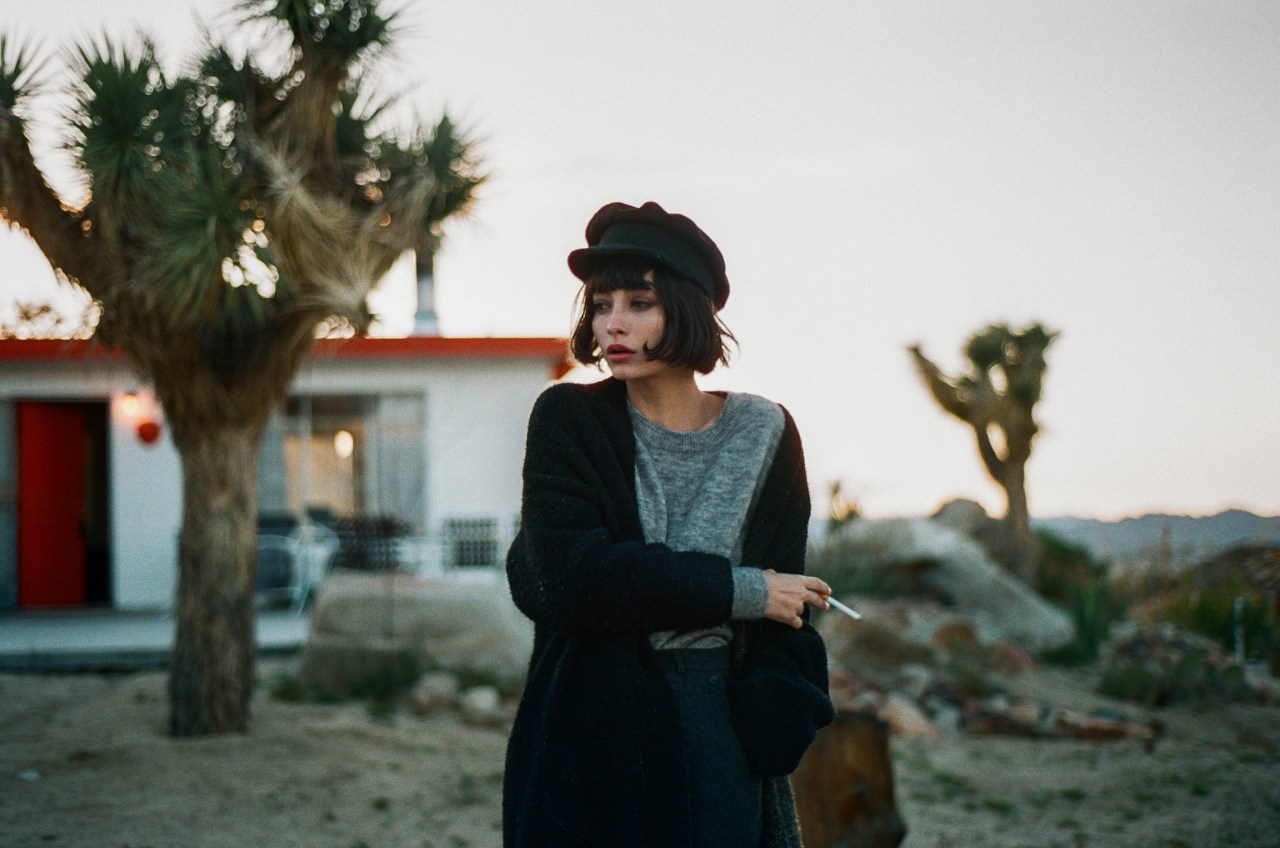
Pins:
<point x="98" y="640"/>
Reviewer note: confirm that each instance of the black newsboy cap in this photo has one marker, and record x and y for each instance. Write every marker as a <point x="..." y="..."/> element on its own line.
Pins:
<point x="651" y="232"/>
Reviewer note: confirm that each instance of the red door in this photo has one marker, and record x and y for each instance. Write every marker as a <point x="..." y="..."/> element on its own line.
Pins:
<point x="52" y="440"/>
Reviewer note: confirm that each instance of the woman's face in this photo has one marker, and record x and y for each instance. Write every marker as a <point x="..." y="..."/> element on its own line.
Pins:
<point x="625" y="322"/>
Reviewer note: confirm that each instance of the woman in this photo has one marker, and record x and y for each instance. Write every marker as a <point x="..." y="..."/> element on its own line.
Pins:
<point x="674" y="681"/>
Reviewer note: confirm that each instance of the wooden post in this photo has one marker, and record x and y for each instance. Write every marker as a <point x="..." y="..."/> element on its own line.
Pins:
<point x="844" y="787"/>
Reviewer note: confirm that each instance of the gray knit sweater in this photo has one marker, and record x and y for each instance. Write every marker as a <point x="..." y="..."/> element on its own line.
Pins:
<point x="695" y="491"/>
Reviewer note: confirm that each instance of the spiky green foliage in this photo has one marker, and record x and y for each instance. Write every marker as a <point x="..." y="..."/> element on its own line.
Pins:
<point x="1018" y="355"/>
<point x="449" y="156"/>
<point x="170" y="192"/>
<point x="178" y="179"/>
<point x="347" y="28"/>
<point x="234" y="210"/>
<point x="19" y="73"/>
<point x="127" y="127"/>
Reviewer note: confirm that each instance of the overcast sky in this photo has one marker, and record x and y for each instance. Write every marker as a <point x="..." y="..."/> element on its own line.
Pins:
<point x="879" y="174"/>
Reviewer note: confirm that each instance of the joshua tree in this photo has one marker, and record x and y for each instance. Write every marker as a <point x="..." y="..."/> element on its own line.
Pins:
<point x="232" y="209"/>
<point x="997" y="398"/>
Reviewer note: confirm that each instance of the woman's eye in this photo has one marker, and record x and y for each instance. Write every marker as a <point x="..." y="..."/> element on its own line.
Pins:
<point x="641" y="303"/>
<point x="599" y="306"/>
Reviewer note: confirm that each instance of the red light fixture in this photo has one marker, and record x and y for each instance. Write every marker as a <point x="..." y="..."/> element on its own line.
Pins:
<point x="148" y="431"/>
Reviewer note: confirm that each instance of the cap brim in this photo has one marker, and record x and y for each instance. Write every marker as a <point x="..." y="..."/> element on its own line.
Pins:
<point x="585" y="260"/>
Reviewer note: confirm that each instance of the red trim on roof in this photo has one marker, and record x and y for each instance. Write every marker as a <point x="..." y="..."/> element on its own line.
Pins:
<point x="55" y="350"/>
<point x="417" y="347"/>
<point x="437" y="347"/>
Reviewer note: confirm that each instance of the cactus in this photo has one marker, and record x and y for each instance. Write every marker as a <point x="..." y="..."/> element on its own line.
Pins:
<point x="997" y="399"/>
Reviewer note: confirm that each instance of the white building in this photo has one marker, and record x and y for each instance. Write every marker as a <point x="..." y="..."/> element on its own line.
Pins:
<point x="424" y="433"/>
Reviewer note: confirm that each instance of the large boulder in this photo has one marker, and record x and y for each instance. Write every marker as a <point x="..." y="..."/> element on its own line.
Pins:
<point x="964" y="516"/>
<point x="394" y="626"/>
<point x="948" y="584"/>
<point x="968" y="518"/>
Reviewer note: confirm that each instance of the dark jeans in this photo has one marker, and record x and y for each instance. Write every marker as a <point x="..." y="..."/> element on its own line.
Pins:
<point x="725" y="797"/>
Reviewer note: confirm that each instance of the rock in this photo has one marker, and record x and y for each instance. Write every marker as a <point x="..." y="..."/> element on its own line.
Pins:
<point x="946" y="718"/>
<point x="937" y="564"/>
<point x="1010" y="659"/>
<point x="968" y="518"/>
<point x="1267" y="687"/>
<point x="482" y="706"/>
<point x="906" y="719"/>
<point x="434" y="692"/>
<point x="889" y="636"/>
<point x="956" y="636"/>
<point x="366" y="623"/>
<point x="1026" y="713"/>
<point x="1102" y="728"/>
<point x="914" y="680"/>
<point x="964" y="516"/>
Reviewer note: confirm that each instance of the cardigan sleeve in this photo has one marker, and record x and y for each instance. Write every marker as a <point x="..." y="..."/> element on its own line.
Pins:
<point x="569" y="569"/>
<point x="780" y="700"/>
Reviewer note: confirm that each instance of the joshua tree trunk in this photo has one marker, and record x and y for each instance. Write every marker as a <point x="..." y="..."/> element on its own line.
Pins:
<point x="211" y="680"/>
<point x="1019" y="543"/>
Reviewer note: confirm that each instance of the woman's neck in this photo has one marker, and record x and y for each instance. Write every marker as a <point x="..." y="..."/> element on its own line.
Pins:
<point x="674" y="400"/>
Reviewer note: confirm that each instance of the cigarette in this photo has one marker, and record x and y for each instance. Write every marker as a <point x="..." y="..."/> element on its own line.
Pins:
<point x="849" y="611"/>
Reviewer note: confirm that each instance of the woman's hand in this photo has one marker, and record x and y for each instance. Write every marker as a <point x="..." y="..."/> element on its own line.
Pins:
<point x="789" y="593"/>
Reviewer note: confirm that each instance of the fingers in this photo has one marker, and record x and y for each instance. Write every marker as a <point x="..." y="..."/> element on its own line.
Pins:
<point x="818" y="585"/>
<point x="816" y="592"/>
<point x="789" y="594"/>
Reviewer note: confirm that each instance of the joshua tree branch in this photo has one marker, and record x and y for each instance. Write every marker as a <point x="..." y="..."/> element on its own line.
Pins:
<point x="28" y="202"/>
<point x="946" y="393"/>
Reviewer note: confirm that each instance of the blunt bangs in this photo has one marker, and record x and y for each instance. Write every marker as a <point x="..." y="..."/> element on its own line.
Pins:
<point x="693" y="335"/>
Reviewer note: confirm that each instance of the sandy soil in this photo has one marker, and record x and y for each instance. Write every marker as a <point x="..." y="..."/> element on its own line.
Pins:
<point x="84" y="761"/>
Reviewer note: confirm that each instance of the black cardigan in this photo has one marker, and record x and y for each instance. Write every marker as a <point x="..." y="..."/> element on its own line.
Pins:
<point x="595" y="757"/>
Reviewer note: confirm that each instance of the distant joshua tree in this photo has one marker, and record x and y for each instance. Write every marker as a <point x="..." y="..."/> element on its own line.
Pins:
<point x="997" y="399"/>
<point x="234" y="209"/>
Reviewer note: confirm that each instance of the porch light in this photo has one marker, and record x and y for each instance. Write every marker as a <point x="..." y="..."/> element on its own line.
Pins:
<point x="130" y="405"/>
<point x="142" y="416"/>
<point x="344" y="444"/>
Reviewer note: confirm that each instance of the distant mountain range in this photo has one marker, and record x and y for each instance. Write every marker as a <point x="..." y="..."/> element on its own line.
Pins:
<point x="1182" y="539"/>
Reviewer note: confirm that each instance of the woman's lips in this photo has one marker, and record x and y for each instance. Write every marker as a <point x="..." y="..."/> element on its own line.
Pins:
<point x="619" y="353"/>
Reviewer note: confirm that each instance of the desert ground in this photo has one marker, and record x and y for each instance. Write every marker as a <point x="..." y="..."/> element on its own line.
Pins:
<point x="84" y="761"/>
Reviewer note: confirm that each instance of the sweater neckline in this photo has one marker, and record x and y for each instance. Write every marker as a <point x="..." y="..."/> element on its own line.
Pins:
<point x="687" y="440"/>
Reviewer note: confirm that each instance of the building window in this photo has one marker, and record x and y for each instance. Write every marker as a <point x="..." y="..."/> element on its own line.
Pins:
<point x="471" y="542"/>
<point x="346" y="457"/>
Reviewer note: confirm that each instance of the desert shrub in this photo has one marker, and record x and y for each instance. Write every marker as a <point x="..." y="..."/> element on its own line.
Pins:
<point x="1094" y="608"/>
<point x="848" y="571"/>
<point x="1072" y="578"/>
<point x="1064" y="568"/>
<point x="1211" y="612"/>
<point x="1192" y="678"/>
<point x="285" y="687"/>
<point x="876" y="646"/>
<point x="389" y="678"/>
<point x="1167" y="665"/>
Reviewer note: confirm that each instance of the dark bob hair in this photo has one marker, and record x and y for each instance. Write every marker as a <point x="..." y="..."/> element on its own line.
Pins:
<point x="694" y="335"/>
